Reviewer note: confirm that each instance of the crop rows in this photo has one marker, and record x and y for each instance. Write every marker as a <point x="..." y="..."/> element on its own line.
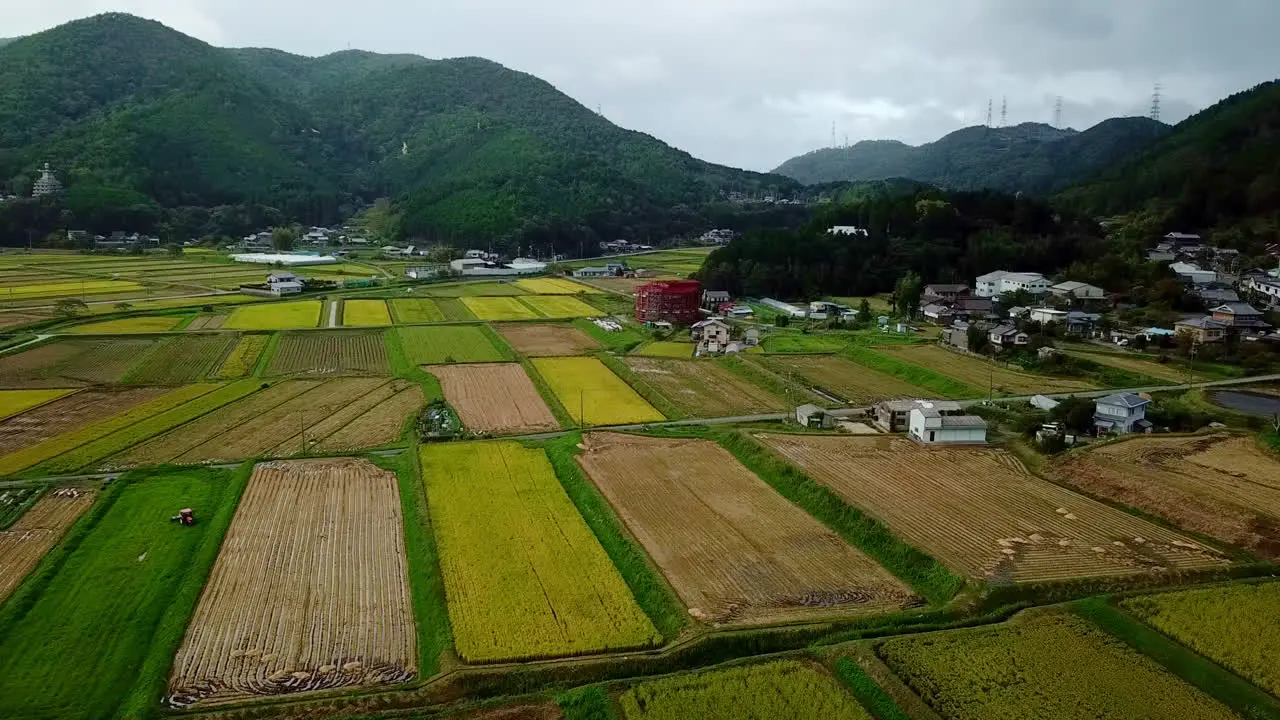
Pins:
<point x="495" y="398"/>
<point x="524" y="576"/>
<point x="357" y="313"/>
<point x="733" y="549"/>
<point x="36" y="532"/>
<point x="416" y="310"/>
<point x="331" y="353"/>
<point x="14" y="402"/>
<point x="243" y="357"/>
<point x="68" y="289"/>
<point x="318" y="601"/>
<point x="71" y="362"/>
<point x="592" y="394"/>
<point x="539" y="340"/>
<point x="785" y="689"/>
<point x="449" y="344"/>
<point x="380" y="425"/>
<point x="981" y="512"/>
<point x="1043" y="668"/>
<point x="66" y="414"/>
<point x="181" y="359"/>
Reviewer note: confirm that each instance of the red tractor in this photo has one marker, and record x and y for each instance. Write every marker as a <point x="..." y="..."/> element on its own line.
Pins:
<point x="185" y="516"/>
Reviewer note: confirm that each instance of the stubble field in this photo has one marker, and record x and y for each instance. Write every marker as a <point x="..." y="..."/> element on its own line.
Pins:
<point x="181" y="359"/>
<point x="36" y="532"/>
<point x="318" y="601"/>
<point x="1219" y="485"/>
<point x="705" y="388"/>
<point x="524" y="576"/>
<point x="65" y="363"/>
<point x="542" y="340"/>
<point x="592" y="394"/>
<point x="66" y="414"/>
<point x="853" y="383"/>
<point x="980" y="512"/>
<point x="317" y="354"/>
<point x="981" y="373"/>
<point x="735" y="551"/>
<point x="495" y="398"/>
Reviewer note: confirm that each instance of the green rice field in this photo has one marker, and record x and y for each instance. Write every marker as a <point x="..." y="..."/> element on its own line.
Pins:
<point x="450" y="344"/>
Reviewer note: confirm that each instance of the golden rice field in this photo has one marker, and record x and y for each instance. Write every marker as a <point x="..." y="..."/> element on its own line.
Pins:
<point x="365" y="313"/>
<point x="554" y="286"/>
<point x="524" y="576"/>
<point x="13" y="402"/>
<point x="129" y="325"/>
<point x="68" y="289"/>
<point x="592" y="394"/>
<point x="275" y="316"/>
<point x="243" y="357"/>
<point x="499" y="308"/>
<point x="559" y="306"/>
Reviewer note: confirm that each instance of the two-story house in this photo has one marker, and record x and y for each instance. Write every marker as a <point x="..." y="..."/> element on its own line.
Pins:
<point x="1202" y="330"/>
<point x="1239" y="317"/>
<point x="1122" y="413"/>
<point x="1007" y="336"/>
<point x="712" y="335"/>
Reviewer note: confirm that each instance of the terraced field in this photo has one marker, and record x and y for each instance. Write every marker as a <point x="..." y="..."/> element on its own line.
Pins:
<point x="705" y="388"/>
<point x="316" y="354"/>
<point x="182" y="359"/>
<point x="531" y="580"/>
<point x="36" y="532"/>
<point x="980" y="512"/>
<point x="734" y="550"/>
<point x="357" y="629"/>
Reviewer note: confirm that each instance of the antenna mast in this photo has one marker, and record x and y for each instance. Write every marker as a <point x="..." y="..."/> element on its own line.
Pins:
<point x="989" y="104"/>
<point x="1004" y="111"/>
<point x="1057" y="113"/>
<point x="1155" y="103"/>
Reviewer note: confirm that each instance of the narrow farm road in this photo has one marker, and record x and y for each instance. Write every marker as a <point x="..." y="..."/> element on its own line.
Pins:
<point x="333" y="313"/>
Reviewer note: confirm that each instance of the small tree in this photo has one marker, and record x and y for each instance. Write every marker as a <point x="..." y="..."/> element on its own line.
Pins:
<point x="906" y="294"/>
<point x="1076" y="413"/>
<point x="173" y="249"/>
<point x="978" y="339"/>
<point x="283" y="239"/>
<point x="782" y="320"/>
<point x="123" y="307"/>
<point x="70" y="307"/>
<point x="864" y="309"/>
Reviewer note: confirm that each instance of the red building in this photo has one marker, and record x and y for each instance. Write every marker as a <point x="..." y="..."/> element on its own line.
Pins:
<point x="676" y="301"/>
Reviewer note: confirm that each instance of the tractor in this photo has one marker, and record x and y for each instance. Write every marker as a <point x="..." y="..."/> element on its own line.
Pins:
<point x="185" y="516"/>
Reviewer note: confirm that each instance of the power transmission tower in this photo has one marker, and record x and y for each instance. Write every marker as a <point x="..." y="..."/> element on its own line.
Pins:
<point x="833" y="134"/>
<point x="1155" y="103"/>
<point x="1004" y="111"/>
<point x="1057" y="113"/>
<point x="846" y="140"/>
<point x="989" y="104"/>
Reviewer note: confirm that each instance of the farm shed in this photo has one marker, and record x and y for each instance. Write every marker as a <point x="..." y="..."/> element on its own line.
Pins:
<point x="931" y="427"/>
<point x="812" y="416"/>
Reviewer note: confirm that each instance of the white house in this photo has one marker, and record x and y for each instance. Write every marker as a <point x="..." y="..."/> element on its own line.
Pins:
<point x="930" y="427"/>
<point x="1048" y="315"/>
<point x="988" y="285"/>
<point x="1192" y="273"/>
<point x="993" y="284"/>
<point x="1078" y="290"/>
<point x="1263" y="287"/>
<point x="284" y="283"/>
<point x="1122" y="413"/>
<point x="712" y="335"/>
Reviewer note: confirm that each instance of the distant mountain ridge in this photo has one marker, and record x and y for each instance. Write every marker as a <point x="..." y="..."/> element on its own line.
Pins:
<point x="1030" y="157"/>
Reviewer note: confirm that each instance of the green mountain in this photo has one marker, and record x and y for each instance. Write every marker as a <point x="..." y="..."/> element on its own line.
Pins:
<point x="1218" y="168"/>
<point x="1031" y="157"/>
<point x="145" y="124"/>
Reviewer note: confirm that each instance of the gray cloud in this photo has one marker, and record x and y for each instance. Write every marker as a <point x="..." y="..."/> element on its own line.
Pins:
<point x="753" y="82"/>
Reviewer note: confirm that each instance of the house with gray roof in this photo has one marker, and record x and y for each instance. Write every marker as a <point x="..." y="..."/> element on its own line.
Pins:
<point x="1122" y="413"/>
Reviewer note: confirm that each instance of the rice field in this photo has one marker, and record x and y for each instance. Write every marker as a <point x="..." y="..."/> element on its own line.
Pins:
<point x="365" y="313"/>
<point x="474" y="289"/>
<point x="124" y="326"/>
<point x="705" y="388"/>
<point x="980" y="512"/>
<point x="1046" y="667"/>
<point x="243" y="358"/>
<point x="275" y="316"/>
<point x="558" y="306"/>
<point x="982" y="373"/>
<point x="416" y="310"/>
<point x="181" y="359"/>
<point x="63" y="363"/>
<point x="450" y="344"/>
<point x="1135" y="364"/>
<point x="13" y="402"/>
<point x="453" y="310"/>
<point x="543" y="339"/>
<point x="499" y="308"/>
<point x="317" y="354"/>
<point x="592" y="394"/>
<point x="554" y="286"/>
<point x="24" y="543"/>
<point x="662" y="349"/>
<point x="68" y="413"/>
<point x="76" y="288"/>
<point x="834" y="376"/>
<point x="524" y="576"/>
<point x="495" y="398"/>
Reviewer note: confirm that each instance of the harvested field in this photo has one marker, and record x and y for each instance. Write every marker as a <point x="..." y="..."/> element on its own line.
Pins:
<point x="129" y="325"/>
<point x="416" y="310"/>
<point x="559" y="306"/>
<point x="378" y="426"/>
<point x="734" y="549"/>
<point x="1045" y="667"/>
<point x="980" y="512"/>
<point x="554" y="286"/>
<point x="294" y="444"/>
<point x="661" y="349"/>
<point x="13" y="319"/>
<point x="181" y="359"/>
<point x="495" y="398"/>
<point x="66" y="414"/>
<point x="621" y="285"/>
<point x="499" y="308"/>
<point x="541" y="340"/>
<point x="705" y="388"/>
<point x="330" y="353"/>
<point x="36" y="532"/>
<point x="524" y="576"/>
<point x="449" y="344"/>
<point x="13" y="402"/>
<point x="318" y="602"/>
<point x="592" y="394"/>
<point x="243" y="358"/>
<point x="1135" y="364"/>
<point x="73" y="362"/>
<point x="981" y="373"/>
<point x="855" y="384"/>
<point x="358" y="313"/>
<point x="1220" y="485"/>
<point x="206" y="322"/>
<point x="275" y="316"/>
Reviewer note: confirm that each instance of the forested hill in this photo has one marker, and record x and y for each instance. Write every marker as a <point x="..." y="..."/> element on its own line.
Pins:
<point x="1217" y="169"/>
<point x="148" y="126"/>
<point x="1030" y="158"/>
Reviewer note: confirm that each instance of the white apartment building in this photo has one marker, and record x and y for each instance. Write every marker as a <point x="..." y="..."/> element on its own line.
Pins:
<point x="993" y="284"/>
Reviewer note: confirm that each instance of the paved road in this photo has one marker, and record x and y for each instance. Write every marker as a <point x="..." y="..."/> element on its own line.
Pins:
<point x="333" y="314"/>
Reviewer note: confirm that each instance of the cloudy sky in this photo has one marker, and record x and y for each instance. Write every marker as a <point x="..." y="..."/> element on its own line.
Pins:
<point x="753" y="82"/>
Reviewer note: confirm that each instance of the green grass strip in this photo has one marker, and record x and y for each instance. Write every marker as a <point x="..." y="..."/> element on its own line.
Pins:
<point x="926" y="576"/>
<point x="268" y="352"/>
<point x="1217" y="682"/>
<point x="586" y="703"/>
<point x="503" y="348"/>
<point x="642" y="386"/>
<point x="92" y="452"/>
<point x="923" y="378"/>
<point x="623" y="341"/>
<point x="651" y="592"/>
<point x="868" y="692"/>
<point x="403" y="367"/>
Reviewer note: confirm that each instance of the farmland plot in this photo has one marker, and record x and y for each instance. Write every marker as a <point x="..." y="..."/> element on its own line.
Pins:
<point x="73" y="362"/>
<point x="453" y="310"/>
<point x="733" y="549"/>
<point x="182" y="359"/>
<point x="474" y="289"/>
<point x="330" y="353"/>
<point x="13" y="402"/>
<point x="449" y="344"/>
<point x="243" y="358"/>
<point x="356" y="313"/>
<point x="416" y="310"/>
<point x="849" y="381"/>
<point x="376" y="400"/>
<point x="66" y="414"/>
<point x="981" y="373"/>
<point x="980" y="512"/>
<point x="523" y="574"/>
<point x="592" y="394"/>
<point x="554" y="286"/>
<point x="499" y="308"/>
<point x="1237" y="626"/>
<point x="1047" y="667"/>
<point x="318" y="602"/>
<point x="36" y="532"/>
<point x="786" y="689"/>
<point x="122" y="326"/>
<point x="540" y="340"/>
<point x="1220" y="485"/>
<point x="704" y="388"/>
<point x="1134" y="364"/>
<point x="275" y="316"/>
<point x="559" y="306"/>
<point x="495" y="398"/>
<point x="662" y="349"/>
<point x="378" y="426"/>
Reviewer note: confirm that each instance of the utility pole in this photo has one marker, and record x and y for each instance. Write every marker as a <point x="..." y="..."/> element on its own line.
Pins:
<point x="1191" y="363"/>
